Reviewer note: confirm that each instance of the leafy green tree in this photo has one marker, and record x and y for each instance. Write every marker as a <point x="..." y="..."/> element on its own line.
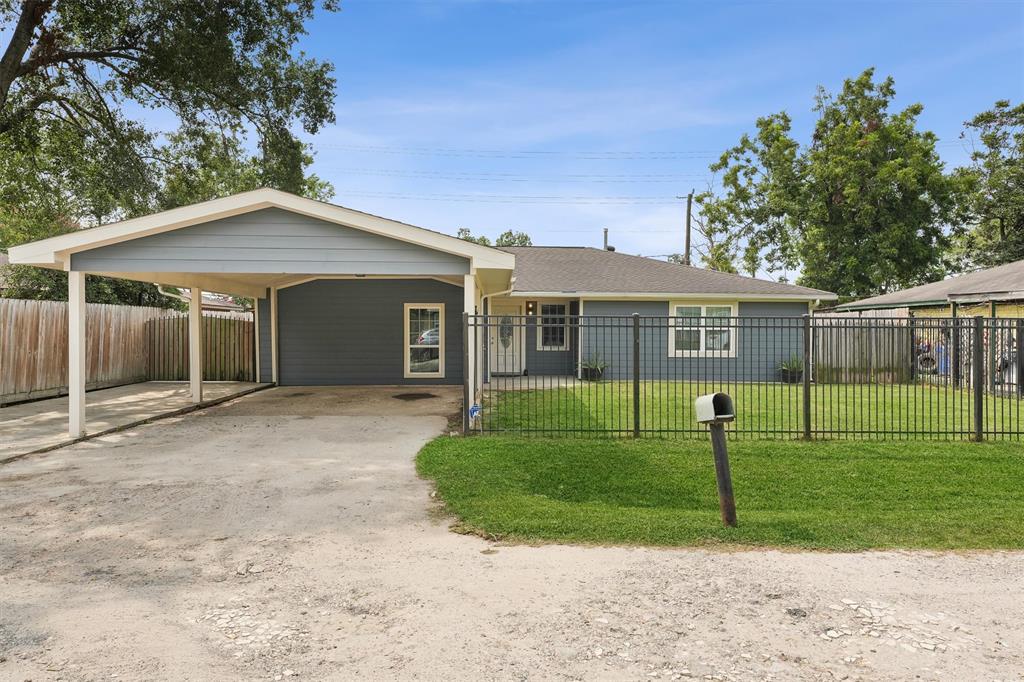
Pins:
<point x="466" y="235"/>
<point x="860" y="210"/>
<point x="71" y="156"/>
<point x="506" y="238"/>
<point x="993" y="197"/>
<point x="510" y="238"/>
<point x="226" y="64"/>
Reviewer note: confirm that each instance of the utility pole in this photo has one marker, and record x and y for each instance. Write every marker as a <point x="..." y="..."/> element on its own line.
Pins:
<point x="689" y="209"/>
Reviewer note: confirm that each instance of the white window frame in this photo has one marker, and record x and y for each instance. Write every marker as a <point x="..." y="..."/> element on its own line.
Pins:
<point x="541" y="325"/>
<point x="703" y="352"/>
<point x="407" y="346"/>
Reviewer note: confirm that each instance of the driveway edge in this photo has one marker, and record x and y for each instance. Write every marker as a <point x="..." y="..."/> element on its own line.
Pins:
<point x="139" y="422"/>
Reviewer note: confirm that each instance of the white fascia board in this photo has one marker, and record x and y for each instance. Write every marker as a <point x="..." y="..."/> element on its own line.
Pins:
<point x="55" y="251"/>
<point x="638" y="296"/>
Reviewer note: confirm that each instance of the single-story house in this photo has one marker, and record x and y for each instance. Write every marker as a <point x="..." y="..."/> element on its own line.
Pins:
<point x="575" y="300"/>
<point x="345" y="297"/>
<point x="993" y="292"/>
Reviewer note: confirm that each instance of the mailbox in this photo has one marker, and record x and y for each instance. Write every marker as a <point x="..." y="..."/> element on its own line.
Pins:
<point x="714" y="408"/>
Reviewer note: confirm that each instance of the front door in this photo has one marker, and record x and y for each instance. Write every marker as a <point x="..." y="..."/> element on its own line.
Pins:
<point x="506" y="341"/>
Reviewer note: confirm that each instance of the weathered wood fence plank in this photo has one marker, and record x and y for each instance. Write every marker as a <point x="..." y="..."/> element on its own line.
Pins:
<point x="124" y="344"/>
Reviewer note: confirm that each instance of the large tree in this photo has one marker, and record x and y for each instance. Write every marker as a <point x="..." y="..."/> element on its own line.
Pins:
<point x="114" y="108"/>
<point x="993" y="200"/>
<point x="861" y="209"/>
<point x="506" y="238"/>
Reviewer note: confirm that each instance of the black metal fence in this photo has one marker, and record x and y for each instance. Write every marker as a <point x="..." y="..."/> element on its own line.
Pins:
<point x="790" y="377"/>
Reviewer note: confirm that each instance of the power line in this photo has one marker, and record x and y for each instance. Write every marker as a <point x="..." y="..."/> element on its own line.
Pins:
<point x="516" y="198"/>
<point x="611" y="155"/>
<point x="484" y="176"/>
<point x="525" y="154"/>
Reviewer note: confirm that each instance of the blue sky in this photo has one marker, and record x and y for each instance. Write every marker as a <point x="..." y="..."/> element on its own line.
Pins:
<point x="450" y="112"/>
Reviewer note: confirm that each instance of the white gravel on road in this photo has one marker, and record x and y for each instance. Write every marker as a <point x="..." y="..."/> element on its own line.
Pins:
<point x="268" y="539"/>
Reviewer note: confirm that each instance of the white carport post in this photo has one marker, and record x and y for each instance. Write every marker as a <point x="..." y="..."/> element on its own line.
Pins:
<point x="195" y="344"/>
<point x="469" y="307"/>
<point x="76" y="354"/>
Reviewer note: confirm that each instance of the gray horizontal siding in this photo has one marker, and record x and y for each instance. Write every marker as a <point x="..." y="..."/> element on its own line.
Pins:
<point x="271" y="240"/>
<point x="760" y="345"/>
<point x="333" y="332"/>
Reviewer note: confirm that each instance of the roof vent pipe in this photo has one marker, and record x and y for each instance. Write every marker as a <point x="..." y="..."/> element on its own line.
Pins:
<point x="606" y="247"/>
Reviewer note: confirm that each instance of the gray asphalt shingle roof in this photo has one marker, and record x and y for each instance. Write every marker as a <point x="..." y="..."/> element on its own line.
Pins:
<point x="1002" y="279"/>
<point x="572" y="269"/>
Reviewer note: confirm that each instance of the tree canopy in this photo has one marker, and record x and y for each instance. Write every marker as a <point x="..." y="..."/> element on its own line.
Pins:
<point x="993" y="200"/>
<point x="117" y="108"/>
<point x="506" y="238"/>
<point x="860" y="209"/>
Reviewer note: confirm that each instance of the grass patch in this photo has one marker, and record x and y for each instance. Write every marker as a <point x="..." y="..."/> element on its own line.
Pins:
<point x="882" y="410"/>
<point x="819" y="495"/>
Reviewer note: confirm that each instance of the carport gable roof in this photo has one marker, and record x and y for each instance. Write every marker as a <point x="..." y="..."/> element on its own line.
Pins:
<point x="597" y="273"/>
<point x="55" y="252"/>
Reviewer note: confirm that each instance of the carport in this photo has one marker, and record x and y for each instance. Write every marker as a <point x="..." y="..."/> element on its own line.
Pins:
<point x="342" y="297"/>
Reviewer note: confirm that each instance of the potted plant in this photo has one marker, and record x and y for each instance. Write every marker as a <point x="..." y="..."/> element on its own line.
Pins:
<point x="592" y="369"/>
<point x="792" y="370"/>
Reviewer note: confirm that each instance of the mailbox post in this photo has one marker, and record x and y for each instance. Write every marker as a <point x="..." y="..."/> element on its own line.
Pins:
<point x="715" y="410"/>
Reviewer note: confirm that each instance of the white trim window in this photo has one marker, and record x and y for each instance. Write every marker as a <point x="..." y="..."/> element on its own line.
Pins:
<point x="702" y="330"/>
<point x="553" y="326"/>
<point x="424" y="341"/>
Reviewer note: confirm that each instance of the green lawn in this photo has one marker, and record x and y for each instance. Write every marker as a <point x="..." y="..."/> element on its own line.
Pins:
<point x="879" y="410"/>
<point x="820" y="495"/>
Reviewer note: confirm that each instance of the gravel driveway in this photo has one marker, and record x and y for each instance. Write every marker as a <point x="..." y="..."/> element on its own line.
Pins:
<point x="270" y="538"/>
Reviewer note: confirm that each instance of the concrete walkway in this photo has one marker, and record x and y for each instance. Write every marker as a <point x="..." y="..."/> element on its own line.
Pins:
<point x="43" y="424"/>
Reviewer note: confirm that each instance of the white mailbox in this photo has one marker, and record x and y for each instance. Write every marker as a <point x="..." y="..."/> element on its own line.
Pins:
<point x="714" y="408"/>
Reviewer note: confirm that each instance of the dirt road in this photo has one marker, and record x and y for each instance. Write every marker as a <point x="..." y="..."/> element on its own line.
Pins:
<point x="272" y="539"/>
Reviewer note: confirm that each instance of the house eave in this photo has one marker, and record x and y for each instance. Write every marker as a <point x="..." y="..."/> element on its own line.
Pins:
<point x="662" y="296"/>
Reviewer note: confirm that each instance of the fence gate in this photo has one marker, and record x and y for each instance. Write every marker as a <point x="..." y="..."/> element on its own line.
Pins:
<point x="790" y="377"/>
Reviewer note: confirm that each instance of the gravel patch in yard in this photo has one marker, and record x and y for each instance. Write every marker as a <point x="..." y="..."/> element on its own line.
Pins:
<point x="256" y="542"/>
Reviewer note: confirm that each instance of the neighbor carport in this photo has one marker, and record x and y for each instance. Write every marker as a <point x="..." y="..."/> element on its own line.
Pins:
<point x="342" y="296"/>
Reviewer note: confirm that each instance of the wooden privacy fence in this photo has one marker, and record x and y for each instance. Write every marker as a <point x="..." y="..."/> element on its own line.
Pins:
<point x="124" y="344"/>
<point x="228" y="347"/>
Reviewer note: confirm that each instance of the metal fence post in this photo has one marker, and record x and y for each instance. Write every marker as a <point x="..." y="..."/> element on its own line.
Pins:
<point x="1020" y="358"/>
<point x="807" y="377"/>
<point x="913" y="345"/>
<point x="978" y="376"/>
<point x="957" y="347"/>
<point x="465" y="373"/>
<point x="636" y="375"/>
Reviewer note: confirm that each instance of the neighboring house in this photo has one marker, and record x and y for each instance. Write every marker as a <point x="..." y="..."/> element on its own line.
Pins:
<point x="993" y="292"/>
<point x="345" y="297"/>
<point x="216" y="302"/>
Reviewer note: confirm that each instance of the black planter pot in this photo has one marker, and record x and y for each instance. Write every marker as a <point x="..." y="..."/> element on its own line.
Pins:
<point x="592" y="373"/>
<point x="791" y="376"/>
